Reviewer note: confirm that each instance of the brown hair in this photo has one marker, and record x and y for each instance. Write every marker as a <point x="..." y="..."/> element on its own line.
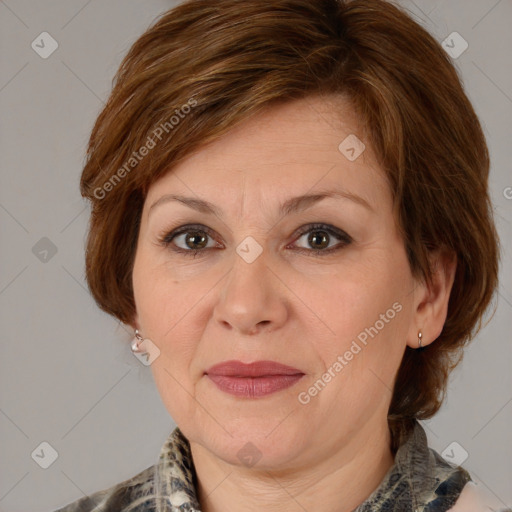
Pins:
<point x="207" y="65"/>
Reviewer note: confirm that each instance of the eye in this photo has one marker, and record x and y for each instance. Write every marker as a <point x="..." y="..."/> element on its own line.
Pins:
<point x="319" y="238"/>
<point x="189" y="239"/>
<point x="194" y="239"/>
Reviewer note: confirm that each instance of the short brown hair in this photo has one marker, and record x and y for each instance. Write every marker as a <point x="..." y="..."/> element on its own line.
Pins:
<point x="210" y="64"/>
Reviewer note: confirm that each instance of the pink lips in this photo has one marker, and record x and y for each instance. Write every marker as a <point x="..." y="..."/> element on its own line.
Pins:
<point x="253" y="380"/>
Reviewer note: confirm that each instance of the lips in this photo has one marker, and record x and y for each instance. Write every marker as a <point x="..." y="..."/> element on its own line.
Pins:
<point x="254" y="380"/>
<point x="256" y="369"/>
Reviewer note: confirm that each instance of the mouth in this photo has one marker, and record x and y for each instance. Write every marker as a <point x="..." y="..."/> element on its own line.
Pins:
<point x="253" y="380"/>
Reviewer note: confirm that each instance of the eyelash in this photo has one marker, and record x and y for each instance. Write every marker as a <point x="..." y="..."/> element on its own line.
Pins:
<point x="166" y="239"/>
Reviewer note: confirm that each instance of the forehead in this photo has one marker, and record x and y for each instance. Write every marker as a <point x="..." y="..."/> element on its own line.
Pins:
<point x="289" y="149"/>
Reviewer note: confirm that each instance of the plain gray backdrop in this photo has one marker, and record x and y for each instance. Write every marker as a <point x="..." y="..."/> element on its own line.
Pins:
<point x="67" y="375"/>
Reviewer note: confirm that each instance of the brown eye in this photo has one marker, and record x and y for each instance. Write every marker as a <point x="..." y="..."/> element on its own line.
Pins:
<point x="189" y="240"/>
<point x="196" y="239"/>
<point x="319" y="238"/>
<point x="193" y="240"/>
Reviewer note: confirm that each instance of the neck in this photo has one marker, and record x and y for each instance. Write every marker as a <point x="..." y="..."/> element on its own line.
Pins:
<point x="339" y="482"/>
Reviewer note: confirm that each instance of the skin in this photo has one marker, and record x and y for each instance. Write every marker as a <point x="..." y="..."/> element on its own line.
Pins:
<point x="288" y="306"/>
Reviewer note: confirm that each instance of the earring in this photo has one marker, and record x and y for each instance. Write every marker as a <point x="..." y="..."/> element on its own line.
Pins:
<point x="419" y="339"/>
<point x="136" y="343"/>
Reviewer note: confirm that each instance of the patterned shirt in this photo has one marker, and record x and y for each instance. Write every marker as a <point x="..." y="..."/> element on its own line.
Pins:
<point x="420" y="480"/>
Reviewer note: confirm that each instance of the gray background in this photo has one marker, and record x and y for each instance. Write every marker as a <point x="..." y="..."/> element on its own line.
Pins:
<point x="66" y="372"/>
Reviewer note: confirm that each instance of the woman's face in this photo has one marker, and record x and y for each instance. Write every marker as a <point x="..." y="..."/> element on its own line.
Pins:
<point x="320" y="285"/>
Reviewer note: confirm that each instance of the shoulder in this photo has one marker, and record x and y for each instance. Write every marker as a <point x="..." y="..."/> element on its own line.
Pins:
<point x="138" y="489"/>
<point x="472" y="499"/>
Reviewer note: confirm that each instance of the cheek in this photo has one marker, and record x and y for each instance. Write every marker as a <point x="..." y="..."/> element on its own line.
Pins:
<point x="161" y="301"/>
<point x="174" y="388"/>
<point x="367" y="305"/>
<point x="357" y="295"/>
<point x="162" y="319"/>
<point x="370" y="320"/>
<point x="165" y="318"/>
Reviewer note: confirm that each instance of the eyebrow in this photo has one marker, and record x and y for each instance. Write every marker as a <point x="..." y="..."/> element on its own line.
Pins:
<point x="292" y="205"/>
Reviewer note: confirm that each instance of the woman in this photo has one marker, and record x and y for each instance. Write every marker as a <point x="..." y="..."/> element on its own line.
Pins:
<point x="290" y="209"/>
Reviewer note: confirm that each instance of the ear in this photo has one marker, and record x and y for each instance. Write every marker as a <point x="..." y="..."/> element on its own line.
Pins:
<point x="431" y="299"/>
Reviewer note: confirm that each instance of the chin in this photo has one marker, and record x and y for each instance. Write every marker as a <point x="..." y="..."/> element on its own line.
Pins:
<point x="261" y="444"/>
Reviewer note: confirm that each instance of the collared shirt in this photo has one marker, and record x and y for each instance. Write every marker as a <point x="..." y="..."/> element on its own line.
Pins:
<point x="420" y="480"/>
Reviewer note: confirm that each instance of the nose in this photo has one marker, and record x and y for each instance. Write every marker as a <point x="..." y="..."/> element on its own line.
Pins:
<point x="252" y="298"/>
